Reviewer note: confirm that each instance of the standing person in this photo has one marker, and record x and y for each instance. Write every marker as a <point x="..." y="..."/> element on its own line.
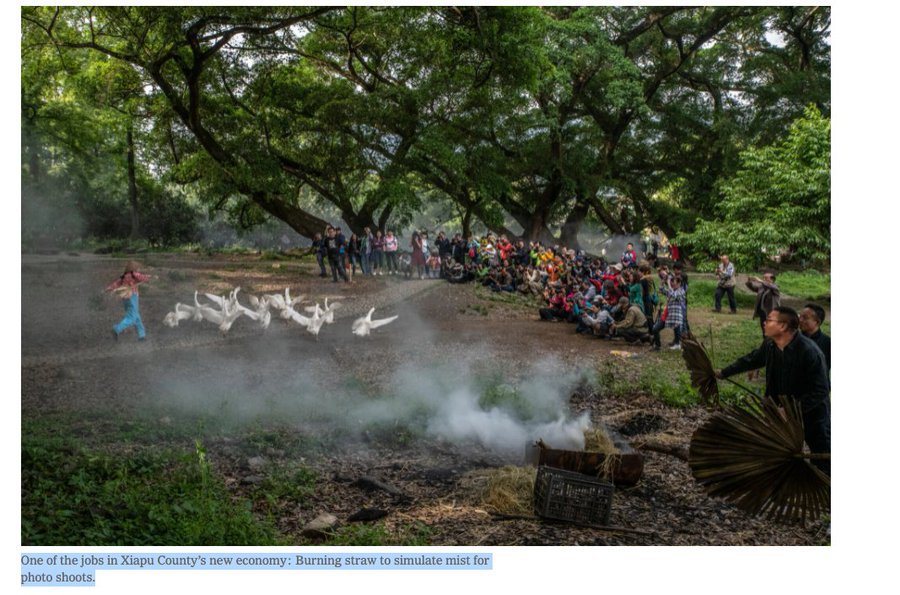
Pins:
<point x="811" y="319"/>
<point x="795" y="367"/>
<point x="674" y="252"/>
<point x="472" y="248"/>
<point x="459" y="249"/>
<point x="354" y="250"/>
<point x="768" y="297"/>
<point x="443" y="246"/>
<point x="725" y="275"/>
<point x="426" y="245"/>
<point x="390" y="251"/>
<point x="365" y="251"/>
<point x="333" y="250"/>
<point x="378" y="253"/>
<point x="674" y="313"/>
<point x="648" y="293"/>
<point x="318" y="246"/>
<point x="635" y="289"/>
<point x="417" y="258"/>
<point x="342" y="246"/>
<point x="126" y="287"/>
<point x="629" y="257"/>
<point x="678" y="271"/>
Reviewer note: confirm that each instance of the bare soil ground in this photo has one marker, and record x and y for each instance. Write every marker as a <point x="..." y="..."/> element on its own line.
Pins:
<point x="238" y="391"/>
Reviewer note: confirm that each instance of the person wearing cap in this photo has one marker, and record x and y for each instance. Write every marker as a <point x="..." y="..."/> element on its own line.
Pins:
<point x="126" y="287"/>
<point x="811" y="318"/>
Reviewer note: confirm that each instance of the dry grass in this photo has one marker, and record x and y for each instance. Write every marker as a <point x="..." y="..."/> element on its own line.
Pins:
<point x="597" y="440"/>
<point x="505" y="490"/>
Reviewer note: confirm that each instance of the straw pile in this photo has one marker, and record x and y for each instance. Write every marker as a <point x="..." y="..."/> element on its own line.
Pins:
<point x="597" y="440"/>
<point x="504" y="490"/>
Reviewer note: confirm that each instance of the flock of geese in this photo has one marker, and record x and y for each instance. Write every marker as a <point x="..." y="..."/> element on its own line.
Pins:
<point x="224" y="311"/>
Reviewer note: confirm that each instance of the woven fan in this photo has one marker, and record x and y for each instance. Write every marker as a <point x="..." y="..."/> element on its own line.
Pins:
<point x="703" y="375"/>
<point x="753" y="457"/>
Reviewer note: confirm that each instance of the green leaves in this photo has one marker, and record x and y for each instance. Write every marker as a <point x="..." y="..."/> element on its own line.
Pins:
<point x="529" y="113"/>
<point x="778" y="203"/>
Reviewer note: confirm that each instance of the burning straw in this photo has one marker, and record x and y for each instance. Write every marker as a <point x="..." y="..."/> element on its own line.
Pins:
<point x="597" y="440"/>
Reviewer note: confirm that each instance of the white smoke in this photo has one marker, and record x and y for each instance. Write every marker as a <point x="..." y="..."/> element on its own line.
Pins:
<point x="444" y="401"/>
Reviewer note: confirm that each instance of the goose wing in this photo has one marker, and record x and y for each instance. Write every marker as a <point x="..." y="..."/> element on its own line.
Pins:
<point x="382" y="321"/>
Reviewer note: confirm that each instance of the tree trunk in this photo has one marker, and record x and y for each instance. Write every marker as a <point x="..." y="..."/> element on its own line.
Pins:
<point x="132" y="185"/>
<point x="568" y="235"/>
<point x="300" y="221"/>
<point x="467" y="222"/>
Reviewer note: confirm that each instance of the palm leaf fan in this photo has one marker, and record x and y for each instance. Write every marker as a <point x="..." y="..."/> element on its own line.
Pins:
<point x="703" y="375"/>
<point x="753" y="457"/>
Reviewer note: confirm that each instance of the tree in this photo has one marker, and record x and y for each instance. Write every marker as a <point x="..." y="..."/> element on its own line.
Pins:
<point x="778" y="203"/>
<point x="532" y="120"/>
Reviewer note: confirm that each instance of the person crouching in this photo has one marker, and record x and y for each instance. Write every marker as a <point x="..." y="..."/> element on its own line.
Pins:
<point x="633" y="328"/>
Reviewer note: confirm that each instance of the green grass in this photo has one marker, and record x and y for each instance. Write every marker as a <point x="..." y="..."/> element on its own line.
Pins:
<point x="284" y="487"/>
<point x="701" y="294"/>
<point x="417" y="534"/>
<point x="74" y="496"/>
<point x="807" y="285"/>
<point x="663" y="375"/>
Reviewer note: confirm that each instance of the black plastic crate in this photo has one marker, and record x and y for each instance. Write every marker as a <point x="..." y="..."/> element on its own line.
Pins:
<point x="574" y="497"/>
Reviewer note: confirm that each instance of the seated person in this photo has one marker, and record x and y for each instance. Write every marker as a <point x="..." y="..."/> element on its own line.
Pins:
<point x="555" y="309"/>
<point x="633" y="327"/>
<point x="595" y="321"/>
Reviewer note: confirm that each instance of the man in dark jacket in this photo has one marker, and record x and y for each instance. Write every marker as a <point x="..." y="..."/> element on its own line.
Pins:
<point x="794" y="367"/>
<point x="333" y="250"/>
<point x="811" y="319"/>
<point x="768" y="297"/>
<point x="443" y="245"/>
<point x="318" y="246"/>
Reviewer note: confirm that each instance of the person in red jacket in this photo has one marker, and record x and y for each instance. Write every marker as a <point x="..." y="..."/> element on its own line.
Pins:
<point x="126" y="287"/>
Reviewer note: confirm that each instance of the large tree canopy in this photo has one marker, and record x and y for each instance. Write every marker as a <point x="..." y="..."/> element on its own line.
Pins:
<point x="530" y="120"/>
<point x="778" y="202"/>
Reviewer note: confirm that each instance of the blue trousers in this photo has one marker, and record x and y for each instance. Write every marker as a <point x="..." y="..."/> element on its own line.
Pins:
<point x="132" y="317"/>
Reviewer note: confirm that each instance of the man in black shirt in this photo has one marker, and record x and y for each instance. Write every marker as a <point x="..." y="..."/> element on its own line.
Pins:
<point x="795" y="367"/>
<point x="811" y="319"/>
<point x="333" y="249"/>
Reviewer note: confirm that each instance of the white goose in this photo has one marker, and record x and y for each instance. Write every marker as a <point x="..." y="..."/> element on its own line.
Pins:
<point x="260" y="314"/>
<point x="181" y="312"/>
<point x="315" y="322"/>
<point x="363" y="326"/>
<point x="223" y="318"/>
<point x="288" y="311"/>
<point x="327" y="313"/>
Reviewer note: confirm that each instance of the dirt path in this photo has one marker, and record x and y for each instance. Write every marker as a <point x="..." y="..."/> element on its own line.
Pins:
<point x="344" y="406"/>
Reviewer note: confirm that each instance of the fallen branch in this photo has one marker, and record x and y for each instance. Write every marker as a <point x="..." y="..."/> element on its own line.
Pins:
<point x="679" y="451"/>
